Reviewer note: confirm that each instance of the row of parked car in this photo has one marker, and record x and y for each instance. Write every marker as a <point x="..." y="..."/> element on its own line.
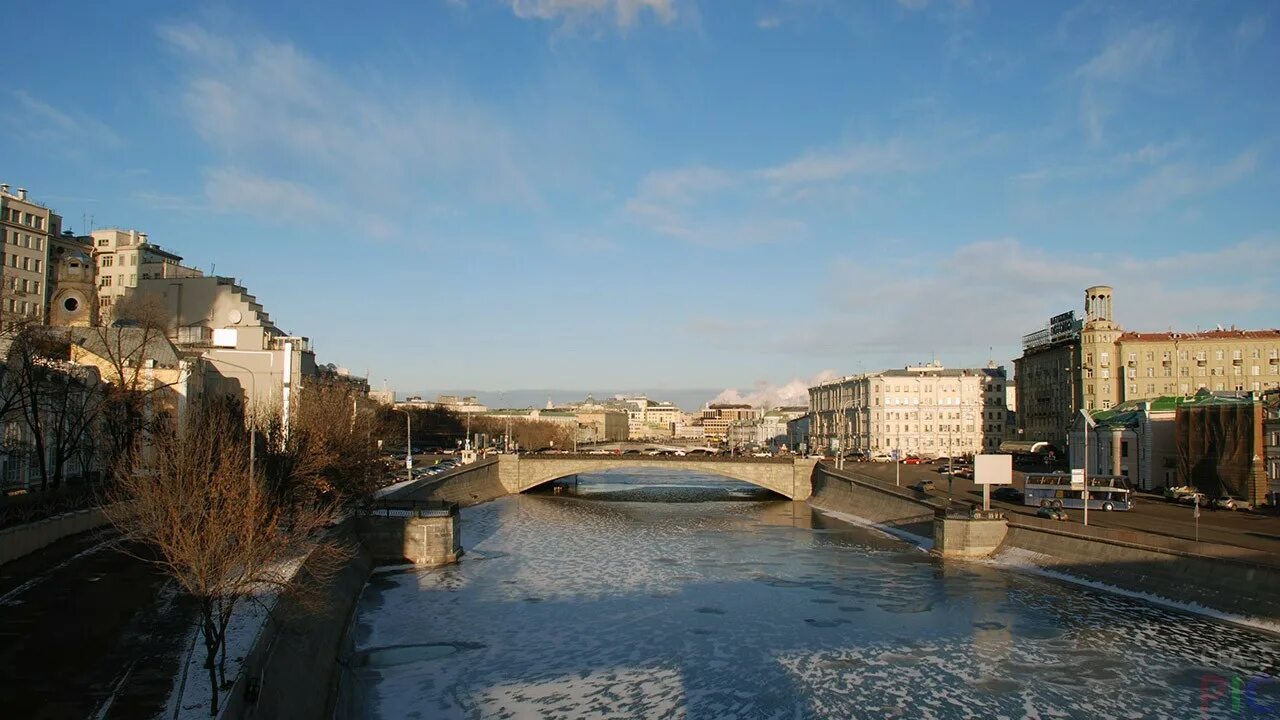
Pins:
<point x="1188" y="495"/>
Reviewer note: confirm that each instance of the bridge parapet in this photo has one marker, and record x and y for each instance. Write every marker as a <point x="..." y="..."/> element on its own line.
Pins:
<point x="789" y="477"/>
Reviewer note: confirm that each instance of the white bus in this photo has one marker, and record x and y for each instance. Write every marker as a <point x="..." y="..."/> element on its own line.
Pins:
<point x="1106" y="492"/>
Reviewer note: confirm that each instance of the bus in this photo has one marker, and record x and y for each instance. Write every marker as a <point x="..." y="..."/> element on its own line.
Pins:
<point x="1106" y="492"/>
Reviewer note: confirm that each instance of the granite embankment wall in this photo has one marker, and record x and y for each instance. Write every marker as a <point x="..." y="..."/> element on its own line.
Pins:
<point x="1220" y="577"/>
<point x="873" y="500"/>
<point x="24" y="539"/>
<point x="294" y="662"/>
<point x="1224" y="578"/>
<point x="467" y="485"/>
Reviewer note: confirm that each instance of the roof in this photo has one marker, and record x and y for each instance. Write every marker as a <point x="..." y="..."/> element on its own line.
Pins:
<point x="126" y="343"/>
<point x="1271" y="334"/>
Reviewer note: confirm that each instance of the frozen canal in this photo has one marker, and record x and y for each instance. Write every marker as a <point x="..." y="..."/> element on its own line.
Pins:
<point x="639" y="598"/>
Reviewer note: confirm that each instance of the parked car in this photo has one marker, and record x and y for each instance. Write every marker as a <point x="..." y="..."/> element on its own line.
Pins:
<point x="923" y="486"/>
<point x="963" y="472"/>
<point x="1052" y="513"/>
<point x="881" y="457"/>
<point x="913" y="461"/>
<point x="1226" y="502"/>
<point x="1181" y="493"/>
<point x="1008" y="493"/>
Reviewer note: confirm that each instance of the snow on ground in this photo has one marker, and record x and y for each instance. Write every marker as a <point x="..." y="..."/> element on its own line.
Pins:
<point x="190" y="697"/>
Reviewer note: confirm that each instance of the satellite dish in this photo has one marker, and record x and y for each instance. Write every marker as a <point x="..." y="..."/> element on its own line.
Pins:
<point x="234" y="316"/>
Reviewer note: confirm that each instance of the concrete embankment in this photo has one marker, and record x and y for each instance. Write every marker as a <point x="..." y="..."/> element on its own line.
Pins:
<point x="1221" y="578"/>
<point x="467" y="485"/>
<point x="871" y="500"/>
<point x="23" y="539"/>
<point x="292" y="671"/>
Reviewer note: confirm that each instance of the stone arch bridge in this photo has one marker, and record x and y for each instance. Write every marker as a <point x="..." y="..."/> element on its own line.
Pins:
<point x="790" y="477"/>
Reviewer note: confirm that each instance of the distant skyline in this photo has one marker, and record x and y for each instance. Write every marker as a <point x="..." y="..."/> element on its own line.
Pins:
<point x="669" y="193"/>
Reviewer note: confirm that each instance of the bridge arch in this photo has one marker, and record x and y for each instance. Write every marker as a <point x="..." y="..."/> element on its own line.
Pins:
<point x="789" y="478"/>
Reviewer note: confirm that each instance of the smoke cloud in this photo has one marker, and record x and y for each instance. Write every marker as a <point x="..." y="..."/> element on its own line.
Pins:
<point x="768" y="395"/>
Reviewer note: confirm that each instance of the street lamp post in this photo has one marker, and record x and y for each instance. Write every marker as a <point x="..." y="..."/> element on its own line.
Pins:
<point x="408" y="442"/>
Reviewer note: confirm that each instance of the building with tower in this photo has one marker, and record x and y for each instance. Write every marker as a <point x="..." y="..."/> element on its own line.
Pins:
<point x="72" y="295"/>
<point x="1098" y="365"/>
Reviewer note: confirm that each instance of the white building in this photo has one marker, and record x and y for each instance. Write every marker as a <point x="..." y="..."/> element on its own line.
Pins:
<point x="925" y="410"/>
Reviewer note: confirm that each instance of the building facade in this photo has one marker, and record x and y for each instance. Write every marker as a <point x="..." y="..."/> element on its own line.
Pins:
<point x="1134" y="439"/>
<point x="1221" y="446"/>
<point x="27" y="228"/>
<point x="1103" y="366"/>
<point x="927" y="410"/>
<point x="123" y="257"/>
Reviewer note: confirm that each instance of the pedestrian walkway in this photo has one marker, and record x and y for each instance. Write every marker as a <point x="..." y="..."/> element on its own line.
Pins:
<point x="88" y="630"/>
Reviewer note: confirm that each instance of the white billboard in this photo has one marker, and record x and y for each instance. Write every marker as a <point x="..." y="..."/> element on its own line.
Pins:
<point x="992" y="469"/>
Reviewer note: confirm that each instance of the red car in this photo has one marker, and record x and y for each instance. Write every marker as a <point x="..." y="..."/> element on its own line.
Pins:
<point x="913" y="461"/>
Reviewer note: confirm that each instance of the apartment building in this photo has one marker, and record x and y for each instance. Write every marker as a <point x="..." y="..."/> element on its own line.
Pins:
<point x="649" y="419"/>
<point x="924" y="410"/>
<point x="717" y="417"/>
<point x="27" y="227"/>
<point x="1099" y="365"/>
<point x="123" y="257"/>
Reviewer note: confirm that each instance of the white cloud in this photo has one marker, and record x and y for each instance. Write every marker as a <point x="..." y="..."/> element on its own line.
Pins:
<point x="835" y="164"/>
<point x="768" y="22"/>
<point x="278" y="119"/>
<point x="624" y="13"/>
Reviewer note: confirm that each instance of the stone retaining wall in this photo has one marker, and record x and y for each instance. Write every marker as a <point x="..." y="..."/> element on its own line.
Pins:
<point x="25" y="539"/>
<point x="1224" y="578"/>
<point x="294" y="662"/>
<point x="869" y="498"/>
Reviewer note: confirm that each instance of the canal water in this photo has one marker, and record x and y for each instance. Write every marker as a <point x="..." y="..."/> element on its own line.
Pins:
<point x="664" y="595"/>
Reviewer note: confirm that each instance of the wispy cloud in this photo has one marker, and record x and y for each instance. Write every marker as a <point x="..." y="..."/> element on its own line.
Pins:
<point x="277" y="119"/>
<point x="69" y="132"/>
<point x="1130" y="59"/>
<point x="768" y="22"/>
<point x="714" y="206"/>
<point x="1130" y="56"/>
<point x="1172" y="182"/>
<point x="623" y="13"/>
<point x="1250" y="31"/>
<point x="992" y="292"/>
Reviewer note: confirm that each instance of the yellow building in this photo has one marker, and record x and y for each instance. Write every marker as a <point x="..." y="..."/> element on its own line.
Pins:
<point x="1102" y="365"/>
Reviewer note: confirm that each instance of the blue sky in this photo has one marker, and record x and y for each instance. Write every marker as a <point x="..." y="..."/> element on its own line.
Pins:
<point x="669" y="193"/>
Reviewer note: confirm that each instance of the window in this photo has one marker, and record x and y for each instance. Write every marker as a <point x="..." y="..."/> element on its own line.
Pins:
<point x="1133" y="357"/>
<point x="1124" y="448"/>
<point x="35" y="286"/>
<point x="26" y="263"/>
<point x="38" y="262"/>
<point x="103" y="242"/>
<point x="39" y="243"/>
<point x="1200" y="356"/>
<point x="1217" y="355"/>
<point x="1103" y="358"/>
<point x="107" y="261"/>
<point x="106" y="281"/>
<point x="1151" y="372"/>
<point x="1235" y="355"/>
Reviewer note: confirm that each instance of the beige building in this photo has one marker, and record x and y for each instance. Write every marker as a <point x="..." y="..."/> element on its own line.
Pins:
<point x="218" y="319"/>
<point x="27" y="228"/>
<point x="925" y="410"/>
<point x="1105" y="365"/>
<point x="123" y="257"/>
<point x="717" y="417"/>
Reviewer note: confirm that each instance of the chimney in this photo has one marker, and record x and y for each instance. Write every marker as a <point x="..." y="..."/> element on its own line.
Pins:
<point x="4" y="188"/>
<point x="22" y="193"/>
<point x="142" y="238"/>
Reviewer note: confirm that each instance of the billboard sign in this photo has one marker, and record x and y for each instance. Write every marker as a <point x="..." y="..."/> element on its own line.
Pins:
<point x="1077" y="479"/>
<point x="992" y="469"/>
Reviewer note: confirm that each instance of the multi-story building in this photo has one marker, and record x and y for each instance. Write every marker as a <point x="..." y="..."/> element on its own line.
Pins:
<point x="1100" y="365"/>
<point x="27" y="227"/>
<point x="925" y="410"/>
<point x="218" y="319"/>
<point x="717" y="417"/>
<point x="123" y="257"/>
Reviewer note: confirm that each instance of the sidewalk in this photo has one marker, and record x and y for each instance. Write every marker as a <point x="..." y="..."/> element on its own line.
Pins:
<point x="87" y="631"/>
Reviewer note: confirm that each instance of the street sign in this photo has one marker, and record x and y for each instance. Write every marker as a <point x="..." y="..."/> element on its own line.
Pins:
<point x="1077" y="479"/>
<point x="992" y="469"/>
<point x="895" y="455"/>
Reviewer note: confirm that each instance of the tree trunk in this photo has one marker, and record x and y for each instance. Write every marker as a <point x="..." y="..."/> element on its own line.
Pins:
<point x="211" y="642"/>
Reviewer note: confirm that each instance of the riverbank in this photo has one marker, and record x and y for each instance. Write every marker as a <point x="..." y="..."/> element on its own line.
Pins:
<point x="1225" y="582"/>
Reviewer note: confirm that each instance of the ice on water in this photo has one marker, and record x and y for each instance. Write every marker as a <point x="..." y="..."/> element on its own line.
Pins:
<point x="568" y="606"/>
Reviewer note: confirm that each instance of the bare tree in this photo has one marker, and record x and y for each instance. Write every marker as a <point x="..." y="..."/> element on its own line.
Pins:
<point x="57" y="401"/>
<point x="192" y="496"/>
